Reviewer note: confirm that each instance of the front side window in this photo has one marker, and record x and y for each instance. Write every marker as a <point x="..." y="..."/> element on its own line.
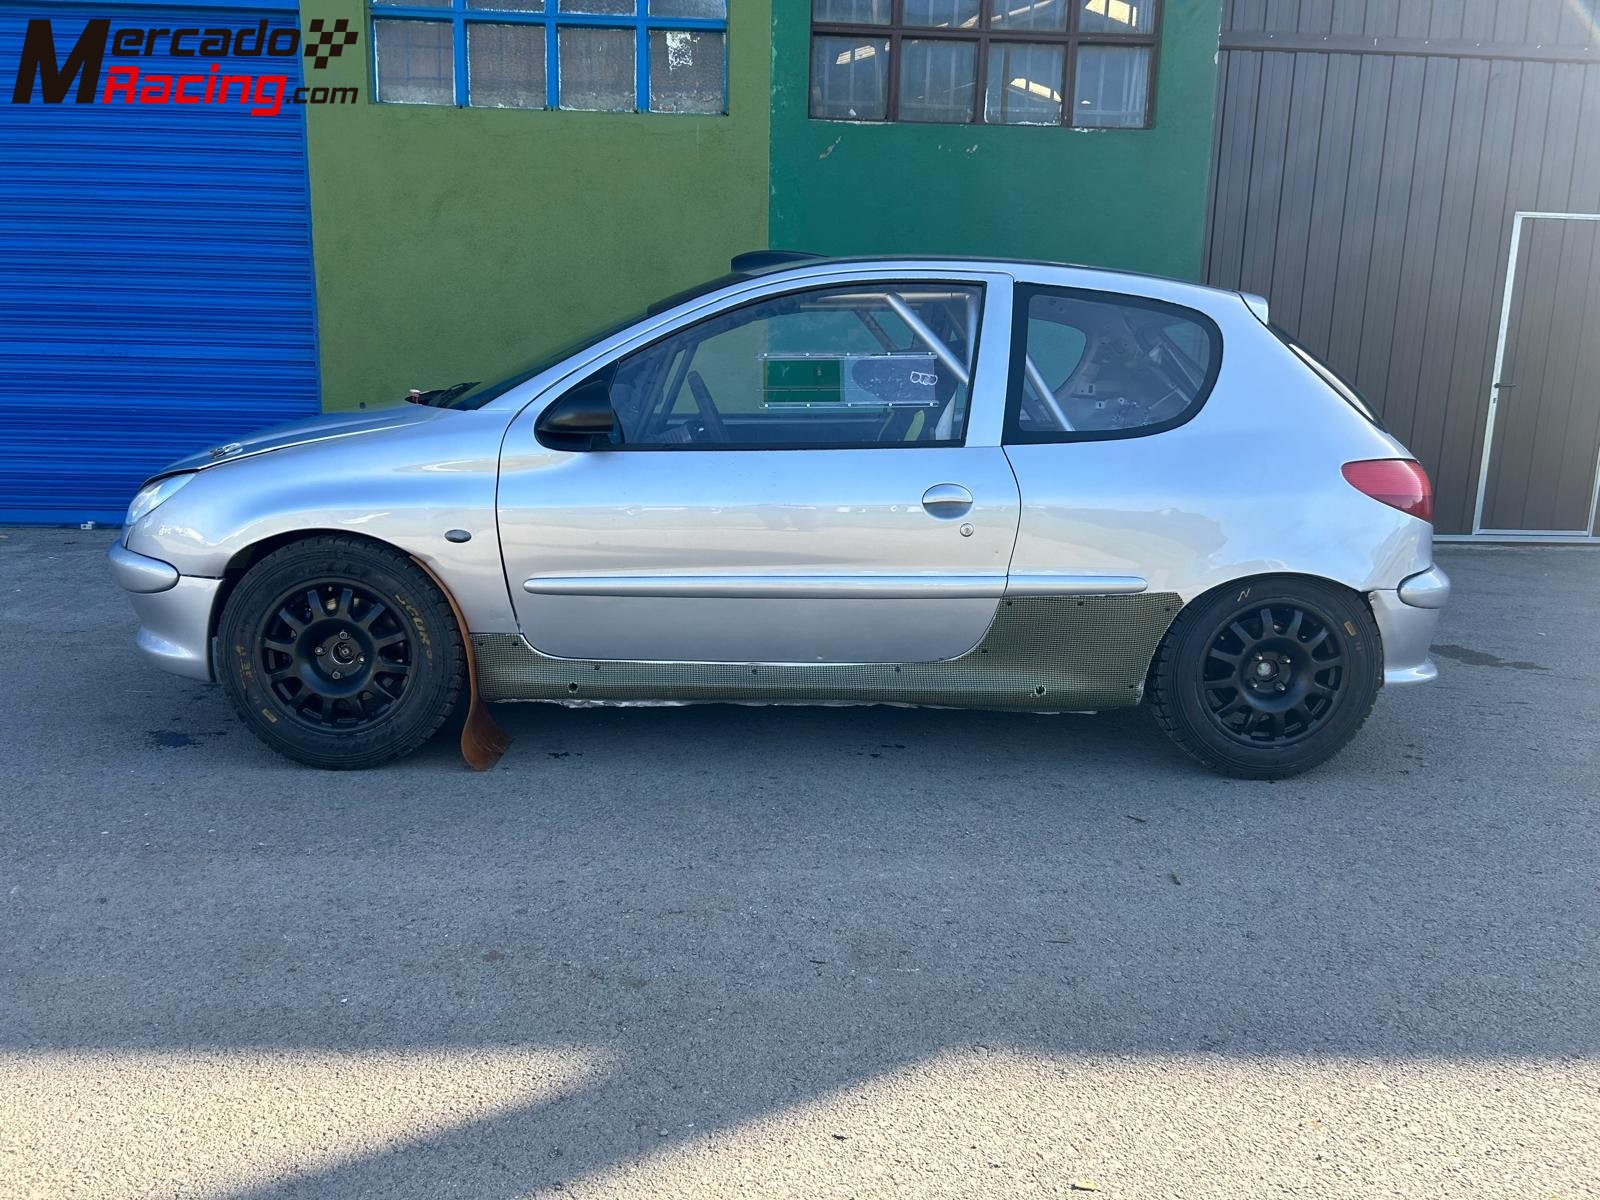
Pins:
<point x="853" y="366"/>
<point x="1088" y="366"/>
<point x="660" y="56"/>
<point x="1085" y="63"/>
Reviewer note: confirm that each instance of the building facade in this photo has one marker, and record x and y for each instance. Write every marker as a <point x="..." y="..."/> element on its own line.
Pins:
<point x="447" y="188"/>
<point x="444" y="189"/>
<point x="456" y="239"/>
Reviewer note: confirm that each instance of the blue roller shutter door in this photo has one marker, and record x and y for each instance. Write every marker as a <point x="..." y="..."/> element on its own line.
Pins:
<point x="156" y="289"/>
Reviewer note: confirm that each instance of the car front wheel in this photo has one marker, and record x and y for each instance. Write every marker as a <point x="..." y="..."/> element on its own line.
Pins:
<point x="1268" y="678"/>
<point x="340" y="653"/>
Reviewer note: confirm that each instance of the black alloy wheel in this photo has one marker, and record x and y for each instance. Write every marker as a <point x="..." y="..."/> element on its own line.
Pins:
<point x="1265" y="678"/>
<point x="1274" y="673"/>
<point x="340" y="652"/>
<point x="334" y="655"/>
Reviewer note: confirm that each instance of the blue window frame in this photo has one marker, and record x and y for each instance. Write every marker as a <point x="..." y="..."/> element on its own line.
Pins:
<point x="606" y="55"/>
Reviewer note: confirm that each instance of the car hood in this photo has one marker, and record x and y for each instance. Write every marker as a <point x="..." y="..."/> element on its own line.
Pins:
<point x="298" y="433"/>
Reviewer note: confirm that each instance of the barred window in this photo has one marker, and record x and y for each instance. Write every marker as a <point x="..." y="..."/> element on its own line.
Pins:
<point x="661" y="56"/>
<point x="1085" y="63"/>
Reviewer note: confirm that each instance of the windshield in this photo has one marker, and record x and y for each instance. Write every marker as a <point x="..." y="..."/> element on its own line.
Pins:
<point x="477" y="395"/>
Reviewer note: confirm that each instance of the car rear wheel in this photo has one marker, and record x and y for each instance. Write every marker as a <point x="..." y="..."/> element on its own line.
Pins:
<point x="340" y="653"/>
<point x="1268" y="678"/>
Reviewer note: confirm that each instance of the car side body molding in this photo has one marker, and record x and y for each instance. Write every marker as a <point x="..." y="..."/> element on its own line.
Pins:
<point x="821" y="587"/>
<point x="1051" y="584"/>
<point x="770" y="587"/>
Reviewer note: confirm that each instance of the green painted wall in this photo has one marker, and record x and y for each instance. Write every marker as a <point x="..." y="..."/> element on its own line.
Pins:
<point x="457" y="244"/>
<point x="1123" y="198"/>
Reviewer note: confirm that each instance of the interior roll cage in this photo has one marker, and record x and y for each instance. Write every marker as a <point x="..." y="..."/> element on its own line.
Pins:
<point x="1182" y="374"/>
<point x="668" y="378"/>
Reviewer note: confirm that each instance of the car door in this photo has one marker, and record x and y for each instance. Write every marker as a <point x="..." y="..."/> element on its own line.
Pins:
<point x="809" y="474"/>
<point x="1125" y="489"/>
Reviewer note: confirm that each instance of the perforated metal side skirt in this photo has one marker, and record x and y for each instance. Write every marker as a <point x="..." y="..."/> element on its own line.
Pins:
<point x="1051" y="653"/>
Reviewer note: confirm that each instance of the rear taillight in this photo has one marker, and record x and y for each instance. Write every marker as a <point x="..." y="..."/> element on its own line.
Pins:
<point x="1398" y="482"/>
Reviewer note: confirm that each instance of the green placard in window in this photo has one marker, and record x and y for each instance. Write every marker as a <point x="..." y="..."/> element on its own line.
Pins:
<point x="803" y="380"/>
<point x="882" y="381"/>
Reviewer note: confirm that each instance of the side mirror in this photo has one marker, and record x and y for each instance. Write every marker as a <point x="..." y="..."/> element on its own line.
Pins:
<point x="583" y="419"/>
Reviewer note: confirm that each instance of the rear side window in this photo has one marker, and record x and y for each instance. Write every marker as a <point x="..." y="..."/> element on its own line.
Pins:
<point x="1089" y="366"/>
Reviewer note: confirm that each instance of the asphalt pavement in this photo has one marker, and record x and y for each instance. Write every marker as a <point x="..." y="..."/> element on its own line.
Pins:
<point x="825" y="952"/>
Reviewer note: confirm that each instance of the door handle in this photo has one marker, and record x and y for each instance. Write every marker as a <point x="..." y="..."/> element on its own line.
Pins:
<point x="947" y="500"/>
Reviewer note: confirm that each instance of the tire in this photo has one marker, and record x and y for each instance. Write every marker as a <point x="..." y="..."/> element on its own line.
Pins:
<point x="1269" y="677"/>
<point x="367" y="677"/>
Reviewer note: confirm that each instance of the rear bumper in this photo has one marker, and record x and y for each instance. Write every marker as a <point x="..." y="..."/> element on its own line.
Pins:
<point x="174" y="611"/>
<point x="1407" y="618"/>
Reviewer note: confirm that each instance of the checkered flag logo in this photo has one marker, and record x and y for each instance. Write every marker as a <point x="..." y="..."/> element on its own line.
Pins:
<point x="323" y="44"/>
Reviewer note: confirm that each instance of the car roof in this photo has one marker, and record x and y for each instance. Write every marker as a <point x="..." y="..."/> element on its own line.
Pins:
<point x="764" y="263"/>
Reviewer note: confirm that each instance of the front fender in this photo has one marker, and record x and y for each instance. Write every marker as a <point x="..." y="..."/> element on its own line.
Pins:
<point x="405" y="487"/>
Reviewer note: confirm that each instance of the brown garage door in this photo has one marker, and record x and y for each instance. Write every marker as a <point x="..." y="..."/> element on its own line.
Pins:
<point x="1370" y="159"/>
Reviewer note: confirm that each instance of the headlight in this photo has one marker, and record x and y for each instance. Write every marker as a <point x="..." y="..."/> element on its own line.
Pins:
<point x="151" y="495"/>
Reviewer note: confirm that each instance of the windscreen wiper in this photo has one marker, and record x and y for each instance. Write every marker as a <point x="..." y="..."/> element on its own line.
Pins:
<point x="439" y="397"/>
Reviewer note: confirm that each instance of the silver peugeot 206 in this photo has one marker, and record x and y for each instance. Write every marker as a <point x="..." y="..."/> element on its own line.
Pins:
<point x="982" y="484"/>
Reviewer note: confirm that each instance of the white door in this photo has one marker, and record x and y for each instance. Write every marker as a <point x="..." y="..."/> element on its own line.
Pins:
<point x="1540" y="471"/>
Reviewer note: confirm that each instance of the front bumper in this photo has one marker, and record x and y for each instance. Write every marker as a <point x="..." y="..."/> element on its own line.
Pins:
<point x="174" y="611"/>
<point x="1407" y="617"/>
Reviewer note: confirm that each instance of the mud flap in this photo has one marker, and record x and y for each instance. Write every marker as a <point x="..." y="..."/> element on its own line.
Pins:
<point x="482" y="740"/>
